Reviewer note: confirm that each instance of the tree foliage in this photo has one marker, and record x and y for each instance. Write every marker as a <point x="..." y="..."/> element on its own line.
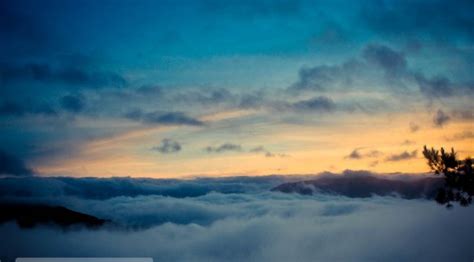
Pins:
<point x="458" y="174"/>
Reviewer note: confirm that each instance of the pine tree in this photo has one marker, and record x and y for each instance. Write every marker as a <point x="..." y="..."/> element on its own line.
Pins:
<point x="458" y="174"/>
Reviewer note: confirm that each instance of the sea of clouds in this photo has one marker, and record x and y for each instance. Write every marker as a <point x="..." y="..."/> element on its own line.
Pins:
<point x="235" y="219"/>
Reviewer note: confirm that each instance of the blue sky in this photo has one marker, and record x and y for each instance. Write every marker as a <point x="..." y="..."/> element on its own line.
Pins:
<point x="287" y="84"/>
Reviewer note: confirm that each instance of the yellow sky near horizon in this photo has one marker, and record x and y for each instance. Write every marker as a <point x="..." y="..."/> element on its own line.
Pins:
<point x="296" y="149"/>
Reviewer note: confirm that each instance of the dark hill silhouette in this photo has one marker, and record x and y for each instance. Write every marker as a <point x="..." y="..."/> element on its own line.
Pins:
<point x="31" y="215"/>
<point x="365" y="186"/>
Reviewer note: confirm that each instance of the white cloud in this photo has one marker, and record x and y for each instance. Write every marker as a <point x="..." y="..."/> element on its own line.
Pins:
<point x="252" y="224"/>
<point x="269" y="227"/>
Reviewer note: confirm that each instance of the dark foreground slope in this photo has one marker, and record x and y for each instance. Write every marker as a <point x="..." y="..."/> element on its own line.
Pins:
<point x="30" y="215"/>
<point x="365" y="186"/>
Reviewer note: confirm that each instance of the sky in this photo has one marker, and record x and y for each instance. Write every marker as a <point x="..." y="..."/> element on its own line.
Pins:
<point x="217" y="88"/>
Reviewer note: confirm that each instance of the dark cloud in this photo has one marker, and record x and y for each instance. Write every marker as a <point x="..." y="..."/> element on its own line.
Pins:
<point x="436" y="87"/>
<point x="323" y="77"/>
<point x="135" y="114"/>
<point x="230" y="147"/>
<point x="12" y="165"/>
<point x="357" y="72"/>
<point x="357" y="154"/>
<point x="168" y="146"/>
<point x="227" y="147"/>
<point x="317" y="104"/>
<point x="354" y="154"/>
<point x="251" y="100"/>
<point x="163" y="118"/>
<point x="221" y="97"/>
<point x="392" y="62"/>
<point x="170" y="118"/>
<point x="265" y="152"/>
<point x="39" y="88"/>
<point x="402" y="156"/>
<point x="258" y="149"/>
<point x="74" y="76"/>
<point x="217" y="96"/>
<point x="395" y="66"/>
<point x="315" y="78"/>
<point x="441" y="118"/>
<point x="206" y="97"/>
<point x="73" y="103"/>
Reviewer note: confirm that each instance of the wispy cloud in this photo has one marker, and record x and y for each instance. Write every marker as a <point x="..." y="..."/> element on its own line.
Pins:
<point x="357" y="154"/>
<point x="168" y="146"/>
<point x="226" y="147"/>
<point x="163" y="118"/>
<point x="265" y="152"/>
<point x="441" y="118"/>
<point x="44" y="73"/>
<point x="320" y="103"/>
<point x="402" y="156"/>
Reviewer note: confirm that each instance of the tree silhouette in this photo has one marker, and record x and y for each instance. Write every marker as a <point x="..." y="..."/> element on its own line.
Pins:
<point x="458" y="174"/>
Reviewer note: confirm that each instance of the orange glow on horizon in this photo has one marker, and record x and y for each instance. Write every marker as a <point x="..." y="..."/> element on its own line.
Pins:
<point x="296" y="149"/>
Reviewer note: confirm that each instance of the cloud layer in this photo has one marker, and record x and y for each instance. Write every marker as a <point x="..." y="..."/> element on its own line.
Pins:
<point x="259" y="227"/>
<point x="235" y="219"/>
